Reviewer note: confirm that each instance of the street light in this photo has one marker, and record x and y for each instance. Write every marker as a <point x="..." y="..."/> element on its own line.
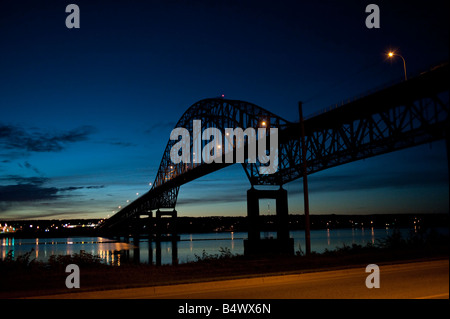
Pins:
<point x="392" y="54"/>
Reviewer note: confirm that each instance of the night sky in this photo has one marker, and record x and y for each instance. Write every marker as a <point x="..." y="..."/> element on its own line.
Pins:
<point x="85" y="114"/>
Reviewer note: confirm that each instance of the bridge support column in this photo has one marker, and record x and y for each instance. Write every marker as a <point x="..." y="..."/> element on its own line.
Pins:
<point x="136" y="232"/>
<point x="149" y="232"/>
<point x="254" y="227"/>
<point x="136" y="229"/>
<point x="254" y="245"/>
<point x="282" y="215"/>
<point x="143" y="227"/>
<point x="158" y="253"/>
<point x="171" y="234"/>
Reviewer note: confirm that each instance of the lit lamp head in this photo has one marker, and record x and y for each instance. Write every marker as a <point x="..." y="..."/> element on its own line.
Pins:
<point x="391" y="54"/>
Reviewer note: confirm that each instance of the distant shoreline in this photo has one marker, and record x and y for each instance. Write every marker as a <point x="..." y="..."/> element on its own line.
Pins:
<point x="75" y="235"/>
<point x="223" y="224"/>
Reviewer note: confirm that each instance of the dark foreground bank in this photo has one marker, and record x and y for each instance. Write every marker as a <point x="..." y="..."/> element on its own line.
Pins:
<point x="22" y="277"/>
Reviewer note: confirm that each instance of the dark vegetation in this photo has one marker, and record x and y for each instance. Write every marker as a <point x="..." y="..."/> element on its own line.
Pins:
<point x="23" y="276"/>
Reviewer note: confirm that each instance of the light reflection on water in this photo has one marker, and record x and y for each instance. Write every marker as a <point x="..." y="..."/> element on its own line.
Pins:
<point x="188" y="248"/>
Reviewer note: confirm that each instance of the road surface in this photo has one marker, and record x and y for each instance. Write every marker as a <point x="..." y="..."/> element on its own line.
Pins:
<point x="423" y="280"/>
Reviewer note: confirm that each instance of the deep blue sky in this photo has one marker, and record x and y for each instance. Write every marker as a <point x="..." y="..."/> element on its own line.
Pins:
<point x="86" y="113"/>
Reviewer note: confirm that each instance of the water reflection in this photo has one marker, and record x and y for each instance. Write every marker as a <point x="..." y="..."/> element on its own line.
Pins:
<point x="189" y="248"/>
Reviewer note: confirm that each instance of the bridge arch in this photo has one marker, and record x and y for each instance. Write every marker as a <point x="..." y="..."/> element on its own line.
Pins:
<point x="213" y="113"/>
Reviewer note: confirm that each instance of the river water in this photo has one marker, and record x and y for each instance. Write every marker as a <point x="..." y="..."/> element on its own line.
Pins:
<point x="188" y="248"/>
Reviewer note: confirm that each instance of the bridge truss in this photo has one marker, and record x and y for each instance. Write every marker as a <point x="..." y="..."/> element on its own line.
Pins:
<point x="406" y="114"/>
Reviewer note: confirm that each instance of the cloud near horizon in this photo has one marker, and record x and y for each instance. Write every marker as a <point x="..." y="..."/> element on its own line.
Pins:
<point x="17" y="138"/>
<point x="33" y="189"/>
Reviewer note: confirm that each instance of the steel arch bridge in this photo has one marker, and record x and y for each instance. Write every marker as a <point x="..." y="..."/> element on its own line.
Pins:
<point x="218" y="113"/>
<point x="403" y="115"/>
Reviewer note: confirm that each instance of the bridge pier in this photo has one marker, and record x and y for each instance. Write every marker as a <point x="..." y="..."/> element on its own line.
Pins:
<point x="254" y="245"/>
<point x="142" y="225"/>
<point x="172" y="234"/>
<point x="141" y="221"/>
<point x="156" y="230"/>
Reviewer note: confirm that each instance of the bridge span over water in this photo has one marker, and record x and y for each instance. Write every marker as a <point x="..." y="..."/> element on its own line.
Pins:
<point x="403" y="115"/>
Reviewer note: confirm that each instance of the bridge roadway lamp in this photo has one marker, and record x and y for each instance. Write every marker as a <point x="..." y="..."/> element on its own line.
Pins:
<point x="391" y="54"/>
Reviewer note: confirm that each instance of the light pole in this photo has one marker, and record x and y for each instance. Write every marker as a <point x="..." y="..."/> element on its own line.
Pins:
<point x="392" y="54"/>
<point x="305" y="181"/>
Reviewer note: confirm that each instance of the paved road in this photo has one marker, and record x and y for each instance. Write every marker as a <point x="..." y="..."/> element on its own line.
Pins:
<point x="428" y="279"/>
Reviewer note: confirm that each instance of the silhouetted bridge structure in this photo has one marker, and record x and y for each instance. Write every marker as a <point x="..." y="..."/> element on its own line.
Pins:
<point x="406" y="114"/>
